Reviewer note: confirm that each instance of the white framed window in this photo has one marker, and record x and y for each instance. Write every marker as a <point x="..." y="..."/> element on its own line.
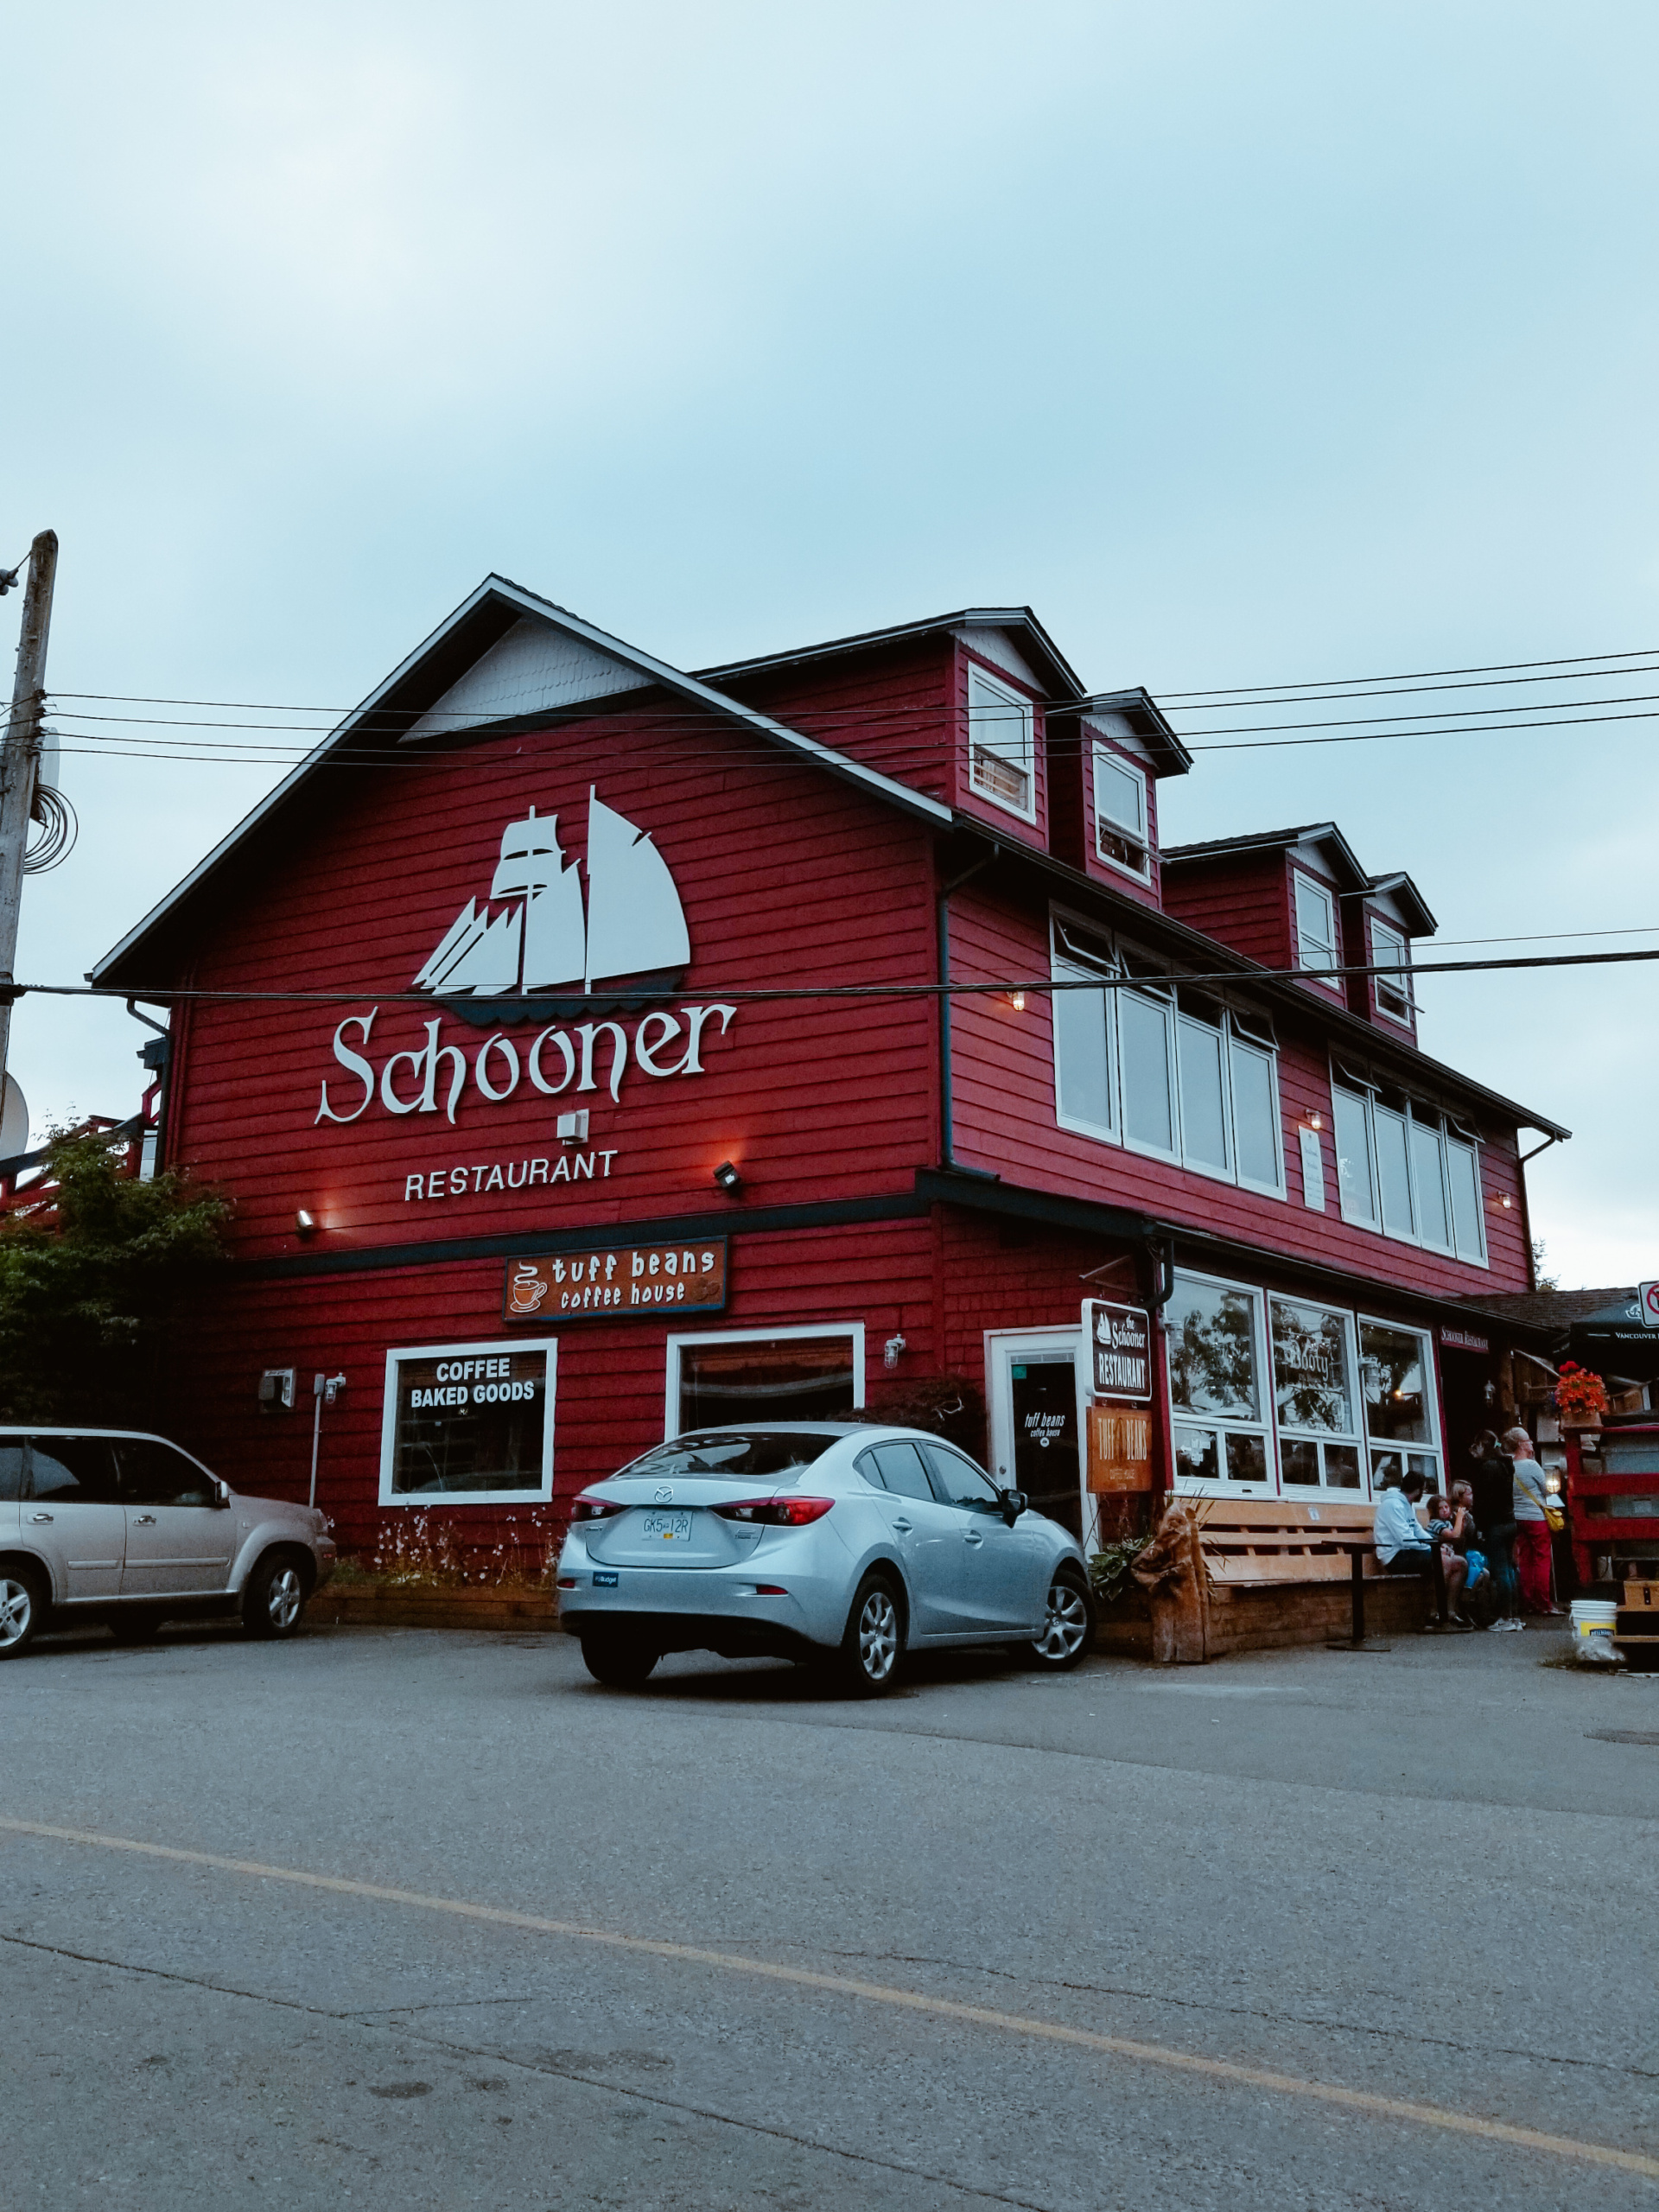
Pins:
<point x="1316" y="927"/>
<point x="812" y="1373"/>
<point x="1396" y="1374"/>
<point x="1121" y="837"/>
<point x="1001" y="745"/>
<point x="471" y="1424"/>
<point x="1217" y="1391"/>
<point x="1085" y="1029"/>
<point x="1146" y="1061"/>
<point x="1407" y="1170"/>
<point x="1315" y="1403"/>
<point x="1390" y="948"/>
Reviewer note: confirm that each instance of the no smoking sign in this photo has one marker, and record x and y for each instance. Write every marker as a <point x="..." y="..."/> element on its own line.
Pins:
<point x="1647" y="1298"/>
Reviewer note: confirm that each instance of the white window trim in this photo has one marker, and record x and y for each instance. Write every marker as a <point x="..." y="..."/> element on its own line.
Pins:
<point x="1281" y="1189"/>
<point x="425" y="1501"/>
<point x="1003" y="689"/>
<point x="1434" y="1449"/>
<point x="852" y="1330"/>
<point x="1406" y="1021"/>
<point x="1304" y="1493"/>
<point x="1366" y="1092"/>
<point x="1062" y="966"/>
<point x="1219" y="1486"/>
<point x="1327" y="892"/>
<point x="1144" y="836"/>
<point x="1067" y="971"/>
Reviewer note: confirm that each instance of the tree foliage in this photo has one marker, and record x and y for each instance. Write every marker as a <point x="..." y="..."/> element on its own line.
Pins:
<point x="88" y="1303"/>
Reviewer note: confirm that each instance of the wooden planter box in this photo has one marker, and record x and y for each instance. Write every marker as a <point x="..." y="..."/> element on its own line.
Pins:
<point x="368" y="1604"/>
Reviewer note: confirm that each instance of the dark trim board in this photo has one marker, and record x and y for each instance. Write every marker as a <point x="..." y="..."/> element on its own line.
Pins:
<point x="735" y="1220"/>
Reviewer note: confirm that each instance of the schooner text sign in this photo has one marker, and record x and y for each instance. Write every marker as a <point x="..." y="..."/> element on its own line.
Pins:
<point x="1120" y="1349"/>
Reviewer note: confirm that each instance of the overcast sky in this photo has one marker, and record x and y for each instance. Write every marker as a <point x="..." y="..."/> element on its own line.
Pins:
<point x="1247" y="343"/>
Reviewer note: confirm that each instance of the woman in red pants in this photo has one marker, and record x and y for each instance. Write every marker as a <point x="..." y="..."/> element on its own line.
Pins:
<point x="1531" y="1526"/>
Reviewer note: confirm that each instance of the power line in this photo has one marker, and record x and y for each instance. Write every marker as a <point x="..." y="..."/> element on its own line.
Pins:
<point x="1415" y="675"/>
<point x="1233" y="978"/>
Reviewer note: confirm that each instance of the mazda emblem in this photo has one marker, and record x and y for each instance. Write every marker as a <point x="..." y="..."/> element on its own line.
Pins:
<point x="665" y="1492"/>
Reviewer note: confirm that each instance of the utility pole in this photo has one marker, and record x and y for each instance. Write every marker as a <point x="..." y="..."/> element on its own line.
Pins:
<point x="20" y="758"/>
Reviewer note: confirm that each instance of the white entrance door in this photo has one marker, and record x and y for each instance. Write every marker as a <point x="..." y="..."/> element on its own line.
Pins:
<point x="1037" y="1399"/>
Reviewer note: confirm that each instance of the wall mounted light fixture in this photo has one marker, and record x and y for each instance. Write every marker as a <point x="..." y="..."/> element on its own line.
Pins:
<point x="1315" y="1122"/>
<point x="891" y="1351"/>
<point x="727" y="1177"/>
<point x="1017" y="1000"/>
<point x="305" y="1222"/>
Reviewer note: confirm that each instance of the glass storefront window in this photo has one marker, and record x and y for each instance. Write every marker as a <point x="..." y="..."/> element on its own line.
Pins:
<point x="1314" y="1395"/>
<point x="1396" y="1376"/>
<point x="802" y="1374"/>
<point x="1215" y="1381"/>
<point x="472" y="1423"/>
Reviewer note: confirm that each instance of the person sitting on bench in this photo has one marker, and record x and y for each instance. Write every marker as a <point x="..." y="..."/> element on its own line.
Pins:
<point x="1403" y="1548"/>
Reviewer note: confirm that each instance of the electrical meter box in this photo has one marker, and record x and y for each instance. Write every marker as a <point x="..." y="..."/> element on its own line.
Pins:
<point x="277" y="1390"/>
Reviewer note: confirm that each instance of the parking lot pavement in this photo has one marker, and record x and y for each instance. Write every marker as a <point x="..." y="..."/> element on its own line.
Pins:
<point x="1168" y="1940"/>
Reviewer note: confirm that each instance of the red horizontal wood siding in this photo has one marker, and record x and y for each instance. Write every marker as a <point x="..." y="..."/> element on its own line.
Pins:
<point x="1003" y="1087"/>
<point x="608" y="1400"/>
<point x="788" y="877"/>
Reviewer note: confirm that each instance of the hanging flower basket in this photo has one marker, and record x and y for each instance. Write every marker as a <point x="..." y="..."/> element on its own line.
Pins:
<point x="1581" y="1396"/>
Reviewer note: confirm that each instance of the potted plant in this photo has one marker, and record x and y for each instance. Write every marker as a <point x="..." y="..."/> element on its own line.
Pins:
<point x="1581" y="1396"/>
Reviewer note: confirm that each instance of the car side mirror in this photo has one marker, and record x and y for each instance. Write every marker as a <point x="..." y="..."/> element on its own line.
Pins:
<point x="1013" y="1504"/>
<point x="221" y="1496"/>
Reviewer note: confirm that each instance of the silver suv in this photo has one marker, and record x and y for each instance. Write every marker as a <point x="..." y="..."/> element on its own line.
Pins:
<point x="114" y="1525"/>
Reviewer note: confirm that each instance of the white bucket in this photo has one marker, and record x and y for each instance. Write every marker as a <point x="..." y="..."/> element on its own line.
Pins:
<point x="1593" y="1616"/>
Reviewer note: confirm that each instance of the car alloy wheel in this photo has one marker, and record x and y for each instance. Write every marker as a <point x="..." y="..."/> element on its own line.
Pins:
<point x="285" y="1599"/>
<point x="870" y="1651"/>
<point x="19" y="1614"/>
<point x="1069" y="1623"/>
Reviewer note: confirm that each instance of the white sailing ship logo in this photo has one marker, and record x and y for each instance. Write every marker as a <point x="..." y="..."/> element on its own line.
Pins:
<point x="633" y="924"/>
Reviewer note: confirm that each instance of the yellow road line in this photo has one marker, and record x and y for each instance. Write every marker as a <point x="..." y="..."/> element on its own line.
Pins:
<point x="876" y="1992"/>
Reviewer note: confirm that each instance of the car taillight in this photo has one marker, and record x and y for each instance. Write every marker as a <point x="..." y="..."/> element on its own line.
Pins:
<point x="587" y="1508"/>
<point x="775" y="1512"/>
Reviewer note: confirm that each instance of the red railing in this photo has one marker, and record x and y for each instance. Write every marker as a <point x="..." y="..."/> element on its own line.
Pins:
<point x="28" y="1190"/>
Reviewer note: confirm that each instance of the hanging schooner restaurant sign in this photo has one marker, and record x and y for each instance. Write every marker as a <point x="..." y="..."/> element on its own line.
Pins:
<point x="545" y="952"/>
<point x="1120" y="1349"/>
<point x="616" y="1280"/>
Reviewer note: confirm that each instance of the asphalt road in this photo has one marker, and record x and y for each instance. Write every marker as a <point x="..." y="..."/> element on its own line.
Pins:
<point x="1126" y="1938"/>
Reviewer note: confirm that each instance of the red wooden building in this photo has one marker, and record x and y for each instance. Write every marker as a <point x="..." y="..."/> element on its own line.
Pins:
<point x="519" y="1143"/>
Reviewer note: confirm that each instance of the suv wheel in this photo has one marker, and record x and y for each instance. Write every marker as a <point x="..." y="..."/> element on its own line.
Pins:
<point x="874" y="1642"/>
<point x="1069" y="1629"/>
<point x="22" y="1608"/>
<point x="274" y="1601"/>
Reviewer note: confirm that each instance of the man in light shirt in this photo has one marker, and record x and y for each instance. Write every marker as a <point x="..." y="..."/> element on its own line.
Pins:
<point x="1403" y="1548"/>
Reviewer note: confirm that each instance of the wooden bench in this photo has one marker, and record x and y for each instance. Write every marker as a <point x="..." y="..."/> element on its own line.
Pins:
<point x="1266" y="1573"/>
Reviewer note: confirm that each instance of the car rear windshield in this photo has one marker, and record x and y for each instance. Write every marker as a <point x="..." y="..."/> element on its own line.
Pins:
<point x="775" y="1452"/>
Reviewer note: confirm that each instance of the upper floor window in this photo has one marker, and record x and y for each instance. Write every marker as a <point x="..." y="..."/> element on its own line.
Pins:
<point x="1316" y="925"/>
<point x="1146" y="1061"/>
<point x="1390" y="950"/>
<point x="1001" y="749"/>
<point x="1407" y="1170"/>
<point x="1122" y="839"/>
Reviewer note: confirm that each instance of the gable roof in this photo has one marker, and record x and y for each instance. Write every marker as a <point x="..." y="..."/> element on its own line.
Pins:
<point x="1409" y="900"/>
<point x="505" y="654"/>
<point x="1038" y="647"/>
<point x="1324" y="834"/>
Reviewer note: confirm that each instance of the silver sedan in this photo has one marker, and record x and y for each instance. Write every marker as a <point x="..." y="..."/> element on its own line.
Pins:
<point x="833" y="1541"/>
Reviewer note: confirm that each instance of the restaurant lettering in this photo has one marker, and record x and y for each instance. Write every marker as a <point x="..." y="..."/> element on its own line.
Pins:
<point x="590" y="1056"/>
<point x="1120" y="1345"/>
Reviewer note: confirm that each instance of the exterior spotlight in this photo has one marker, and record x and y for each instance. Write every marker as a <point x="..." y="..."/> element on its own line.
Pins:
<point x="890" y="1350"/>
<point x="1504" y="1201"/>
<point x="727" y="1177"/>
<point x="1315" y="1122"/>
<point x="1017" y="1000"/>
<point x="305" y="1222"/>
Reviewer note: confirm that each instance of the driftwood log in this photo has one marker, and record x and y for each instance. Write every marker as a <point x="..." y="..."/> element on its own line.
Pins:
<point x="1172" y="1572"/>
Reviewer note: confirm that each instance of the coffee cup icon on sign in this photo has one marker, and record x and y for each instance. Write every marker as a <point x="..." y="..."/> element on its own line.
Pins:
<point x="528" y="1290"/>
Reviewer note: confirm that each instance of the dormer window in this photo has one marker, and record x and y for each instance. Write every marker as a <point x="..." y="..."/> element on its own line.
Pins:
<point x="1316" y="925"/>
<point x="1001" y="745"/>
<point x="1121" y="838"/>
<point x="1390" y="950"/>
